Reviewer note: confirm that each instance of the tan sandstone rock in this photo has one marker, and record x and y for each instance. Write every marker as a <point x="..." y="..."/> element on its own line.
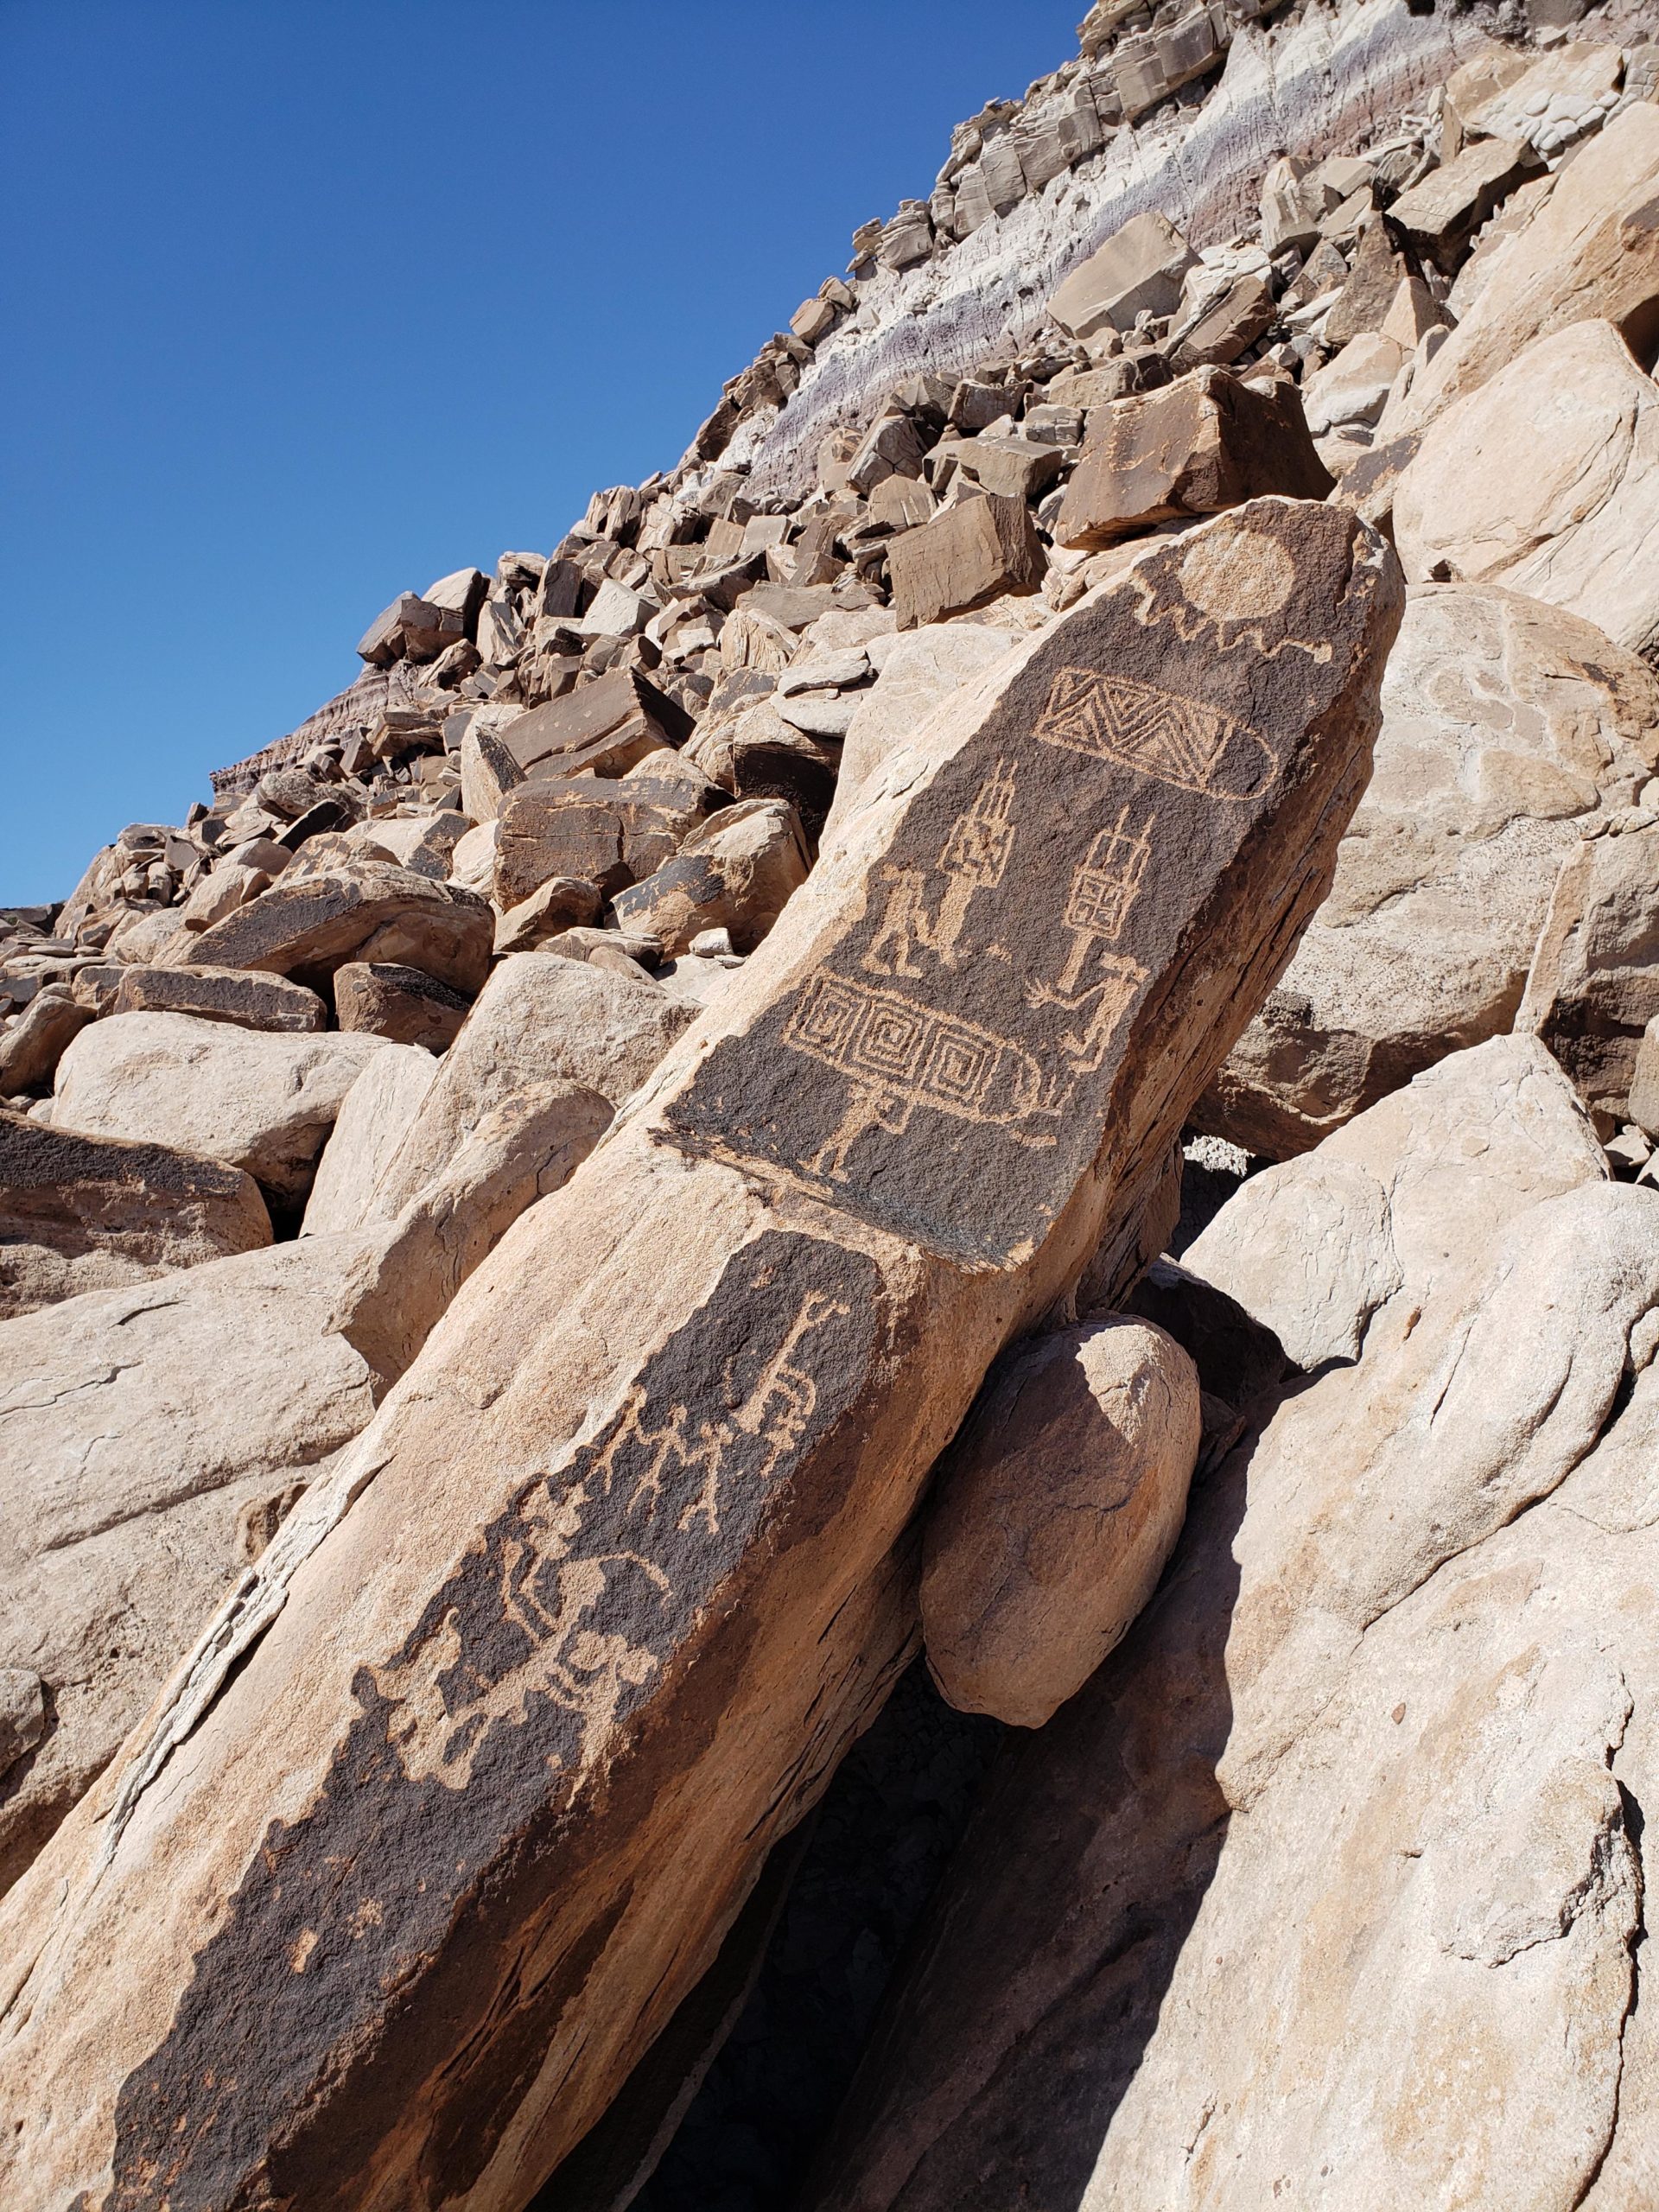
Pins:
<point x="1057" y="1505"/>
<point x="82" y="1213"/>
<point x="578" y="1627"/>
<point x="1508" y="727"/>
<point x="143" y="1429"/>
<point x="1327" y="1876"/>
<point x="263" y="1100"/>
<point x="1573" y="525"/>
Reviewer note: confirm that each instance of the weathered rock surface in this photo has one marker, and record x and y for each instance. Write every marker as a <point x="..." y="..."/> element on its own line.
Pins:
<point x="307" y="929"/>
<point x="736" y="873"/>
<point x="1509" y="729"/>
<point x="1573" y="527"/>
<point x="82" y="1213"/>
<point x="540" y="1019"/>
<point x="1594" y="985"/>
<point x="1058" y="1506"/>
<point x="1589" y="252"/>
<point x="31" y="1049"/>
<point x="402" y="1003"/>
<point x="1208" y="441"/>
<point x="973" y="552"/>
<point x="222" y="994"/>
<point x="639" y="1517"/>
<point x="922" y="667"/>
<point x="373" y="1121"/>
<point x="262" y="1101"/>
<point x="1410" y="1616"/>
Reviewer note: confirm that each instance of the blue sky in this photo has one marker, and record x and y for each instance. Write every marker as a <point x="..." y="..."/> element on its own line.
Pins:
<point x="307" y="304"/>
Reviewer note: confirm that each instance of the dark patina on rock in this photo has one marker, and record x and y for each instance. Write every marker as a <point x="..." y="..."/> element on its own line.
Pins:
<point x="1045" y="898"/>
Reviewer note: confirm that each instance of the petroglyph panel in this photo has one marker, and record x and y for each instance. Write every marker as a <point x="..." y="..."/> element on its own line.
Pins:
<point x="947" y="1071"/>
<point x="506" y="1696"/>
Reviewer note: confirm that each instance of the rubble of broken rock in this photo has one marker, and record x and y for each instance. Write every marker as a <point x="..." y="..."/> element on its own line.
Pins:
<point x="646" y="1164"/>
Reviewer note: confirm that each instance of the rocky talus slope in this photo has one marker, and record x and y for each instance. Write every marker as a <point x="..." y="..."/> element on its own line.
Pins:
<point x="826" y="1364"/>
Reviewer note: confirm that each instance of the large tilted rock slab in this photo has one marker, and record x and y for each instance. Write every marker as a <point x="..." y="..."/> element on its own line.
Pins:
<point x="1509" y="728"/>
<point x="264" y="1101"/>
<point x="143" y="1432"/>
<point x="457" y="1801"/>
<point x="1575" y="526"/>
<point x="1326" y="1889"/>
<point x="309" y="927"/>
<point x="81" y="1213"/>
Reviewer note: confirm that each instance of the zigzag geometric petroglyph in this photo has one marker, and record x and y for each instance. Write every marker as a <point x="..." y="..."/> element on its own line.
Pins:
<point x="1180" y="742"/>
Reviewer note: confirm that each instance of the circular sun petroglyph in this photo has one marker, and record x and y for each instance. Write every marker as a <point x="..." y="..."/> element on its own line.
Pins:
<point x="1237" y="576"/>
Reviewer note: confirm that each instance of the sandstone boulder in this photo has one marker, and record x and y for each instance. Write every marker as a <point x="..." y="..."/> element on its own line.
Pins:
<point x="380" y="1108"/>
<point x="308" y="928"/>
<point x="1343" y="1813"/>
<point x="1589" y="252"/>
<point x="736" y="873"/>
<point x="410" y="1008"/>
<point x="82" y="1213"/>
<point x="921" y="668"/>
<point x="145" y="1429"/>
<point x="37" y="1042"/>
<point x="1056" y="1507"/>
<point x="580" y="1625"/>
<point x="1572" y="527"/>
<point x="1139" y="270"/>
<point x="1594" y="985"/>
<point x="260" y="1100"/>
<point x="601" y="730"/>
<point x="1205" y="443"/>
<point x="540" y="1019"/>
<point x="972" y="552"/>
<point x="1508" y="728"/>
<point x="251" y="1001"/>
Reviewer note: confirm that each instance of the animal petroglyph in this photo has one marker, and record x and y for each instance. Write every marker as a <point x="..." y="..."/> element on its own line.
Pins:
<point x="653" y="1460"/>
<point x="1180" y="742"/>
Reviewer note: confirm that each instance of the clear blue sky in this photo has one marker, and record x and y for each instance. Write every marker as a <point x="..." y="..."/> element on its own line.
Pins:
<point x="307" y="303"/>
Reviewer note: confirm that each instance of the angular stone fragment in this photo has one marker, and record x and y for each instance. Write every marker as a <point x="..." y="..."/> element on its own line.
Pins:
<point x="263" y="1100"/>
<point x="1440" y="214"/>
<point x="922" y="667"/>
<point x="581" y="1624"/>
<point x="1575" y="526"/>
<point x="309" y="927"/>
<point x="605" y="830"/>
<point x="971" y="553"/>
<point x="380" y="1108"/>
<point x="402" y="1003"/>
<point x="233" y="994"/>
<point x="1227" y="327"/>
<point x="1056" y="1508"/>
<point x="91" y="1213"/>
<point x="1205" y="443"/>
<point x="488" y="772"/>
<point x="412" y="628"/>
<point x="1141" y="269"/>
<point x="1508" y="727"/>
<point x="736" y="873"/>
<point x="559" y="904"/>
<point x="37" y="1040"/>
<point x="602" y="729"/>
<point x="1593" y="986"/>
